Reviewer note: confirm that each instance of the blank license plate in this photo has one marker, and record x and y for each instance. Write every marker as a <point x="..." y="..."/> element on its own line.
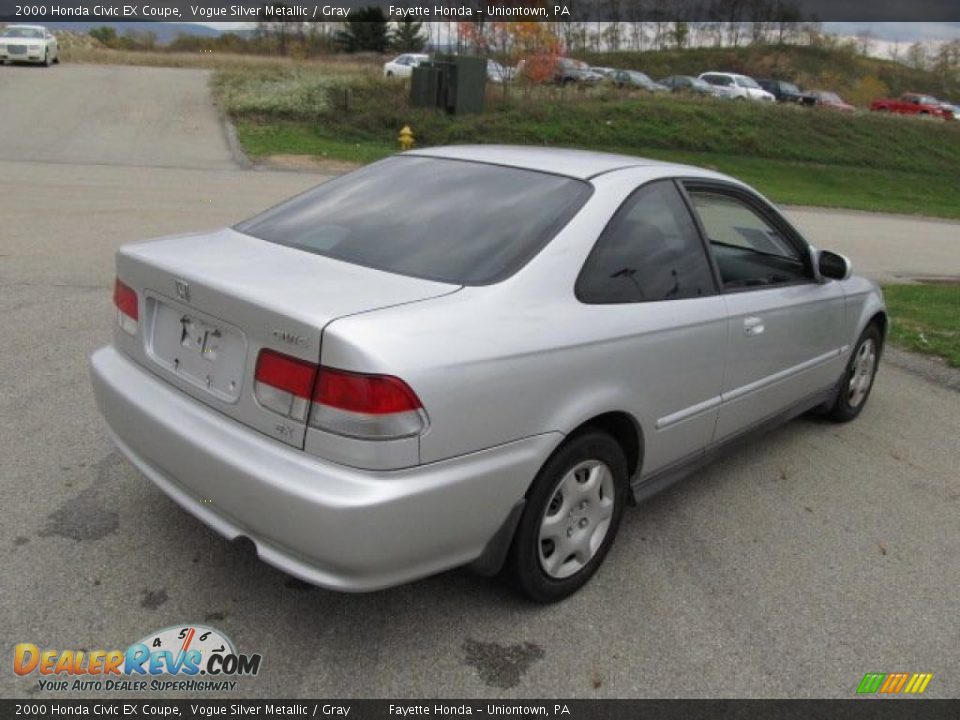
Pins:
<point x="208" y="354"/>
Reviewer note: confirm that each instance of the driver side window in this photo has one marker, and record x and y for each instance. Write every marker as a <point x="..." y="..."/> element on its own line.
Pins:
<point x="749" y="251"/>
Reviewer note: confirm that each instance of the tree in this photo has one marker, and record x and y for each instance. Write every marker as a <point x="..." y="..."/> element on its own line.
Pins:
<point x="105" y="34"/>
<point x="786" y="19"/>
<point x="368" y="31"/>
<point x="946" y="65"/>
<point x="533" y="47"/>
<point x="917" y="56"/>
<point x="407" y="37"/>
<point x="866" y="89"/>
<point x="894" y="51"/>
<point x="681" y="32"/>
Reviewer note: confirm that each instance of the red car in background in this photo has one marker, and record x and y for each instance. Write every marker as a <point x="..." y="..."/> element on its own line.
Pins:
<point x="831" y="101"/>
<point x="912" y="104"/>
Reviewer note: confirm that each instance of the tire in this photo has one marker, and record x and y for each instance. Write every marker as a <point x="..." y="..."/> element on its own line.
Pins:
<point x="858" y="377"/>
<point x="46" y="58"/>
<point x="585" y="521"/>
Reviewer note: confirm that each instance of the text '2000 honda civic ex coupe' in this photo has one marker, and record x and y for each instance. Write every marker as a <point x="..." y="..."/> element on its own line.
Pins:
<point x="472" y="356"/>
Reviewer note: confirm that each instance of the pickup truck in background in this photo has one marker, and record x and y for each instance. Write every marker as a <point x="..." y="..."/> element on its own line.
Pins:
<point x="912" y="104"/>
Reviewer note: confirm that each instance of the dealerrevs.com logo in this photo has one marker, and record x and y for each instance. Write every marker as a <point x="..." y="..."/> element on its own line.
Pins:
<point x="184" y="657"/>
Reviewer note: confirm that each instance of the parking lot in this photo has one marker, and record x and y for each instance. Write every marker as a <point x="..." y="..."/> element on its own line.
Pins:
<point x="788" y="569"/>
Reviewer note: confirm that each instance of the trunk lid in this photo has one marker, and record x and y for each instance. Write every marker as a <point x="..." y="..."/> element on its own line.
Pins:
<point x="209" y="303"/>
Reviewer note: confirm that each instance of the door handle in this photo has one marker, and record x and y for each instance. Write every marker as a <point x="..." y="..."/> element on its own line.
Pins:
<point x="752" y="326"/>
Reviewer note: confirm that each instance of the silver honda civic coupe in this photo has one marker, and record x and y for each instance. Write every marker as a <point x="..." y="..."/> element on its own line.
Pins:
<point x="472" y="356"/>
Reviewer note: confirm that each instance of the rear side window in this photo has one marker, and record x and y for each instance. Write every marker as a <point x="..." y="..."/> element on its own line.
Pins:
<point x="649" y="251"/>
<point x="453" y="221"/>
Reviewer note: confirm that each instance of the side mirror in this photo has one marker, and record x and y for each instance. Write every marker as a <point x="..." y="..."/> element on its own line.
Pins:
<point x="833" y="266"/>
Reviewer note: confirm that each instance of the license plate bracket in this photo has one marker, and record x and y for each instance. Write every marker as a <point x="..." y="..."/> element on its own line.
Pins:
<point x="202" y="350"/>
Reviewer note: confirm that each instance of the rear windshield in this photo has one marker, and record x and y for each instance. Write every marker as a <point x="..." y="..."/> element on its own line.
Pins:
<point x="459" y="222"/>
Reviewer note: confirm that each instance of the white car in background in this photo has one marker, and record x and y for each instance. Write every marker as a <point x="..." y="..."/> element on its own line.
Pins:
<point x="499" y="74"/>
<point x="28" y="43"/>
<point x="738" y="87"/>
<point x="403" y="65"/>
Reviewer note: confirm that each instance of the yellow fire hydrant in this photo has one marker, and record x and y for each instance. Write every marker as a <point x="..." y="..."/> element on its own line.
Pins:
<point x="405" y="138"/>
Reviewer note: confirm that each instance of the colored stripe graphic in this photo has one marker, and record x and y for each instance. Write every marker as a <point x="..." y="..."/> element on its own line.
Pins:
<point x="922" y="684"/>
<point x="894" y="683"/>
<point x="871" y="682"/>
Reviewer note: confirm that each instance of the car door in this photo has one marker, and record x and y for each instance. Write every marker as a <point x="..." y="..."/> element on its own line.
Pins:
<point x="655" y="323"/>
<point x="783" y="324"/>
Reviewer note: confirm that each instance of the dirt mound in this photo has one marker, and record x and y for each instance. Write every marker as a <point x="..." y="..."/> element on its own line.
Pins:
<point x="71" y="40"/>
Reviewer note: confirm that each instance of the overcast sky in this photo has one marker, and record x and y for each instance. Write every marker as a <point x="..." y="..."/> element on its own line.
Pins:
<point x="903" y="31"/>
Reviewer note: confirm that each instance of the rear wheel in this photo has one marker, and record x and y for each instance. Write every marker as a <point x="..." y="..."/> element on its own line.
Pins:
<point x="572" y="515"/>
<point x="857" y="381"/>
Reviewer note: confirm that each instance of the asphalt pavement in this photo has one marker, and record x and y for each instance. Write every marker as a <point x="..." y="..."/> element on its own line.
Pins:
<point x="789" y="569"/>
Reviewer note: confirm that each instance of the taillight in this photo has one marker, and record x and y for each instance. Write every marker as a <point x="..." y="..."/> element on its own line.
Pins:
<point x="128" y="312"/>
<point x="369" y="407"/>
<point x="284" y="384"/>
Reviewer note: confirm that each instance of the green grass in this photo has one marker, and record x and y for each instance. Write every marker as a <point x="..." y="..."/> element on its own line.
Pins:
<point x="926" y="319"/>
<point x="786" y="182"/>
<point x="260" y="139"/>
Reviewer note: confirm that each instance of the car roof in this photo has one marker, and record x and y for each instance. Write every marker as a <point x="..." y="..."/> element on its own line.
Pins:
<point x="29" y="27"/>
<point x="580" y="164"/>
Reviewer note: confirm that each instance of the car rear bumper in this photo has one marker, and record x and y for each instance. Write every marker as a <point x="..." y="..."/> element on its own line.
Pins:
<point x="330" y="525"/>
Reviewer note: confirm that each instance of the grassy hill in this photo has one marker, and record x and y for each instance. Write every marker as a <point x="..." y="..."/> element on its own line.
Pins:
<point x="857" y="78"/>
<point x="795" y="155"/>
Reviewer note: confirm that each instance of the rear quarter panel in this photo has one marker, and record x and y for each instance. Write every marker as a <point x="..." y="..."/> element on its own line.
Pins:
<point x="524" y="357"/>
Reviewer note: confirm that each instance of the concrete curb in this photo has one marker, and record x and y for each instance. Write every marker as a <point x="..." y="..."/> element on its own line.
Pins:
<point x="233" y="143"/>
<point x="929" y="368"/>
<point x="868" y="213"/>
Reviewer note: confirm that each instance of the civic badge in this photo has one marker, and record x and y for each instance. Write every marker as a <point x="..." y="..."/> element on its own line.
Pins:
<point x="183" y="291"/>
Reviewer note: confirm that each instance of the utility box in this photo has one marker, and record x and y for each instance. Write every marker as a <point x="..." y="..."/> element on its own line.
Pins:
<point x="425" y="85"/>
<point x="456" y="84"/>
<point x="466" y="85"/>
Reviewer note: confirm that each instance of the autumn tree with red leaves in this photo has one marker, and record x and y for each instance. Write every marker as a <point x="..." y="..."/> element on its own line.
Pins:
<point x="533" y="47"/>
